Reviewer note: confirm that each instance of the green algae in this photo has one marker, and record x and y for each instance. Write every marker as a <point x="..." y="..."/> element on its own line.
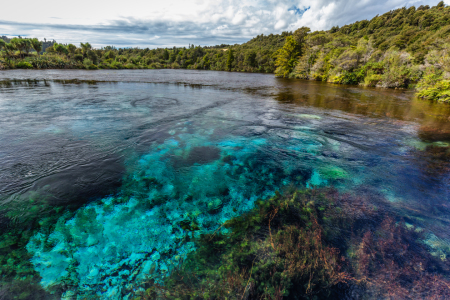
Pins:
<point x="285" y="248"/>
<point x="333" y="172"/>
<point x="18" y="277"/>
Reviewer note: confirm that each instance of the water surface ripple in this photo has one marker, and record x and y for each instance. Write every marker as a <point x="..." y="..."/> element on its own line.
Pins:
<point x="107" y="175"/>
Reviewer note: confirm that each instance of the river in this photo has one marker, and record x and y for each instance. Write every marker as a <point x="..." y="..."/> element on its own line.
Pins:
<point x="98" y="169"/>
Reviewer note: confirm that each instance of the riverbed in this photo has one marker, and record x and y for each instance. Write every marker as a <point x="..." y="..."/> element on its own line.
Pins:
<point x="100" y="171"/>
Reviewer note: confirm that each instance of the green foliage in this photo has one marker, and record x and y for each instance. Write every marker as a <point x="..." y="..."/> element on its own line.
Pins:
<point x="391" y="50"/>
<point x="53" y="62"/>
<point x="88" y="64"/>
<point x="85" y="47"/>
<point x="24" y="65"/>
<point x="283" y="249"/>
<point x="36" y="45"/>
<point x="71" y="48"/>
<point x="92" y="56"/>
<point x="2" y="44"/>
<point x="19" y="44"/>
<point x="275" y="251"/>
<point x="230" y="59"/>
<point x="440" y="91"/>
<point x="286" y="57"/>
<point x="165" y="54"/>
<point x="61" y="49"/>
<point x="253" y="56"/>
<point x="78" y="57"/>
<point x="435" y="83"/>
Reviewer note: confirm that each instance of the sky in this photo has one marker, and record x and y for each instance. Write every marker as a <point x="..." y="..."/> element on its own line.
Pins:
<point x="168" y="23"/>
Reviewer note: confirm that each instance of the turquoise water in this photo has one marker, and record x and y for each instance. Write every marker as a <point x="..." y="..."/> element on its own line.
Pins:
<point x="119" y="175"/>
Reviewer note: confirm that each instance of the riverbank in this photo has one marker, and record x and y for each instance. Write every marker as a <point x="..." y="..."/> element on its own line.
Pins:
<point x="407" y="48"/>
<point x="430" y="81"/>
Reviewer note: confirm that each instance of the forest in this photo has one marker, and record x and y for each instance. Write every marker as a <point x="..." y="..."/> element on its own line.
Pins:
<point x="403" y="48"/>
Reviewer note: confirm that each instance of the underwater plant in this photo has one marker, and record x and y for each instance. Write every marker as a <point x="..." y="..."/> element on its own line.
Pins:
<point x="276" y="251"/>
<point x="284" y="249"/>
<point x="394" y="264"/>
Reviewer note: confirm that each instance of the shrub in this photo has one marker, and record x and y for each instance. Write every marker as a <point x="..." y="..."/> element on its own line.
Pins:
<point x="439" y="91"/>
<point x="372" y="79"/>
<point x="24" y="65"/>
<point x="116" y="65"/>
<point x="398" y="70"/>
<point x="87" y="63"/>
<point x="130" y="66"/>
<point x="155" y="65"/>
<point x="78" y="57"/>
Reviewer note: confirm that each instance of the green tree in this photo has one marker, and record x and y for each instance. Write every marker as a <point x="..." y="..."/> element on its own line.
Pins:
<point x="71" y="48"/>
<point x="230" y="59"/>
<point x="85" y="48"/>
<point x="286" y="57"/>
<point x="172" y="56"/>
<point x="300" y="36"/>
<point x="110" y="54"/>
<point x="36" y="45"/>
<point x="9" y="49"/>
<point x="2" y="44"/>
<point x="165" y="54"/>
<point x="61" y="49"/>
<point x="92" y="56"/>
<point x="27" y="45"/>
<point x="206" y="62"/>
<point x="19" y="44"/>
<point x="250" y="58"/>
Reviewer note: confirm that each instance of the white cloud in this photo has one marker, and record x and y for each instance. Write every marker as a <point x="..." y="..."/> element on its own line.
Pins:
<point x="180" y="22"/>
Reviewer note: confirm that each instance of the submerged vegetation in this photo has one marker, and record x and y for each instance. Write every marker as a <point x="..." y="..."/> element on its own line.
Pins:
<point x="404" y="48"/>
<point x="188" y="206"/>
<point x="286" y="248"/>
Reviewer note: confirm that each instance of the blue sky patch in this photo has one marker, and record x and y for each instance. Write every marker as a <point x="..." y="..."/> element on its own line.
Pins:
<point x="298" y="11"/>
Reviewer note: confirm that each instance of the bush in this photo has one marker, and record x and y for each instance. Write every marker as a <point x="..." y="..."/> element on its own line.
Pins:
<point x="78" y="57"/>
<point x="24" y="65"/>
<point x="439" y="92"/>
<point x="155" y="65"/>
<point x="130" y="66"/>
<point x="372" y="79"/>
<point x="398" y="70"/>
<point x="116" y="65"/>
<point x="87" y="63"/>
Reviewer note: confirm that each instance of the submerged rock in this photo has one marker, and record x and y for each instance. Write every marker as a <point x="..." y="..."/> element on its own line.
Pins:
<point x="197" y="155"/>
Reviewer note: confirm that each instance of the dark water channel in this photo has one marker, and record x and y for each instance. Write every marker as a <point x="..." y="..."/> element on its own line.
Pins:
<point x="98" y="169"/>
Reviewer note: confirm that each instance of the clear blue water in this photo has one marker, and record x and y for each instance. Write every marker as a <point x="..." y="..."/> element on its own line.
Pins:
<point x="140" y="162"/>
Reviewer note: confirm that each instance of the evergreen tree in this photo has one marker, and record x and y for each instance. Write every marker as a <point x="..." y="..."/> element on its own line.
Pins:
<point x="287" y="57"/>
<point x="166" y="54"/>
<point x="230" y="59"/>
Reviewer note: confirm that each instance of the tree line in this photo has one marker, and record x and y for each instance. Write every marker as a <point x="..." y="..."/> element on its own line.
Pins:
<point x="403" y="48"/>
<point x="253" y="56"/>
